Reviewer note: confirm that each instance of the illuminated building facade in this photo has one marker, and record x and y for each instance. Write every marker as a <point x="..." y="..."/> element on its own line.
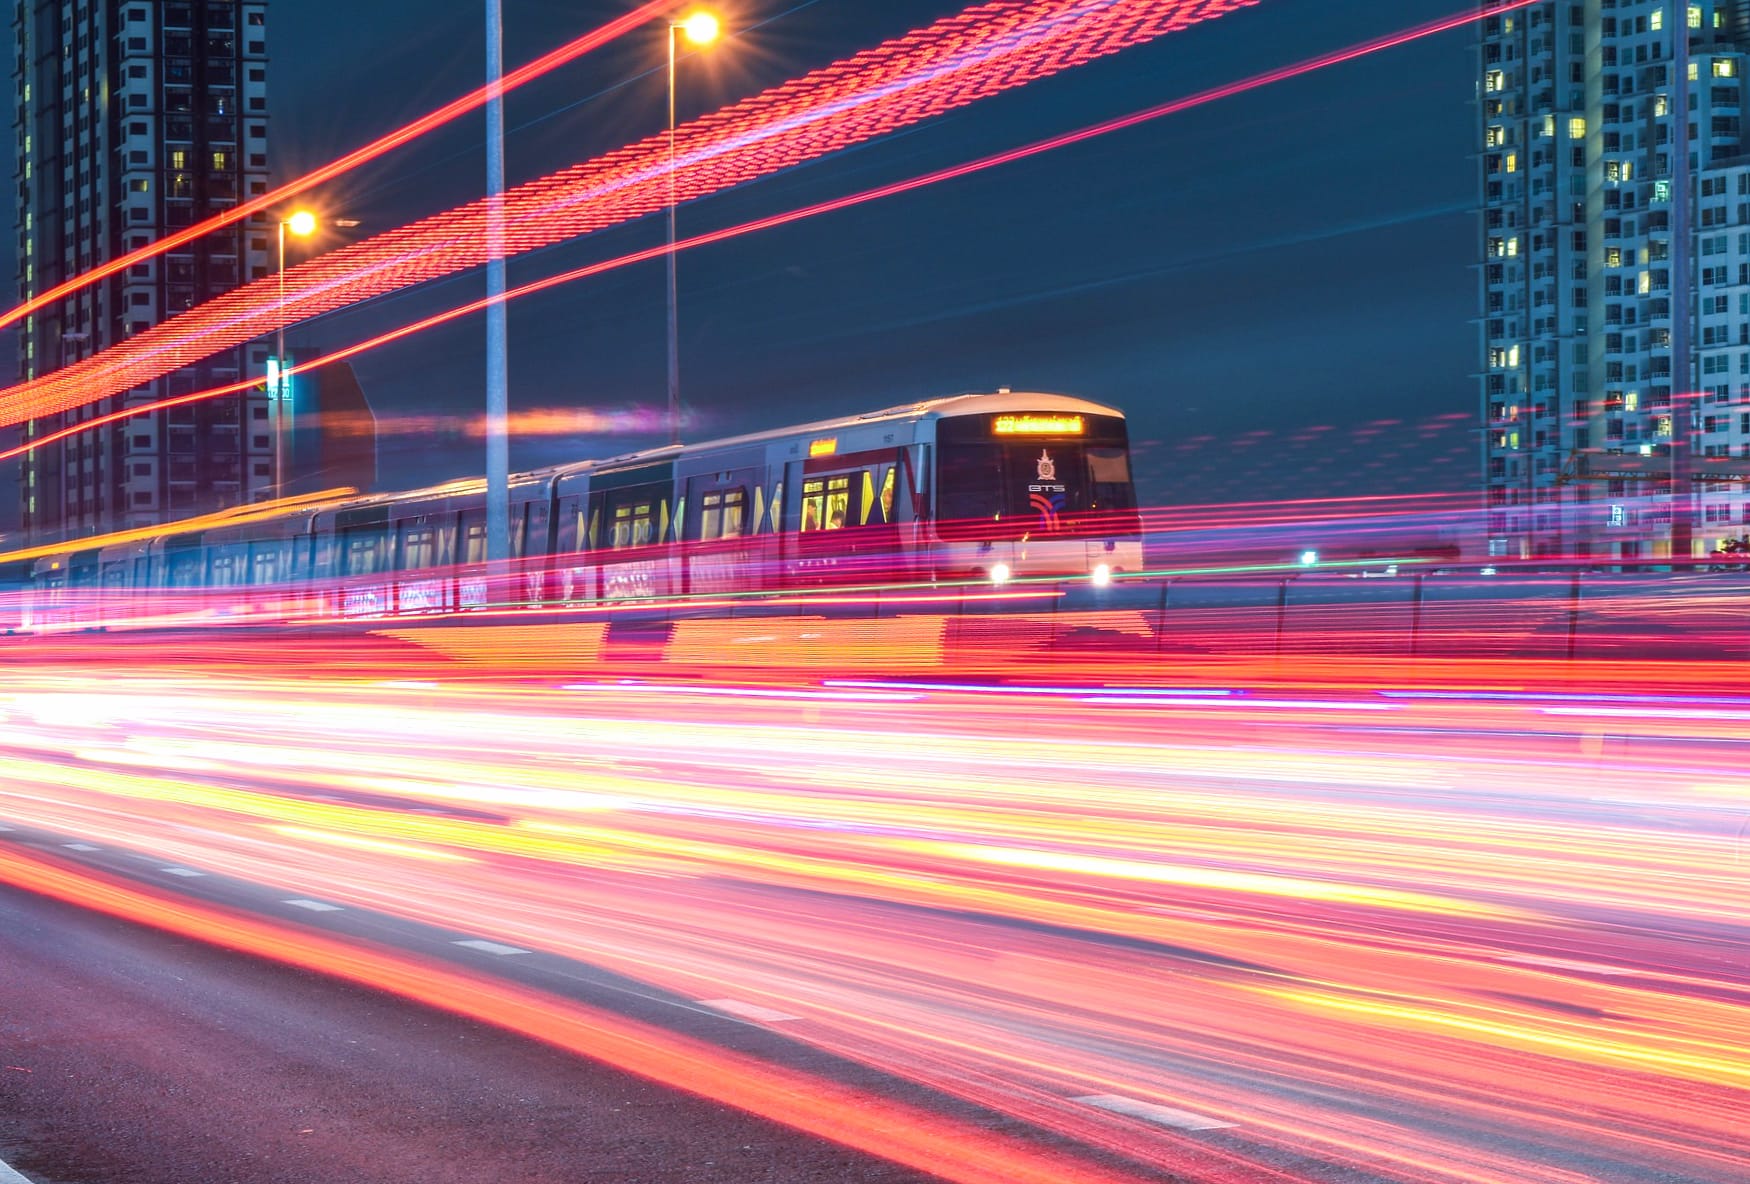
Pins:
<point x="1580" y="276"/>
<point x="136" y="118"/>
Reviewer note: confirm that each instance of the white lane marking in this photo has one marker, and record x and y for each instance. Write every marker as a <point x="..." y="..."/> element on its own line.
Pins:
<point x="8" y="1176"/>
<point x="3" y="826"/>
<point x="181" y="871"/>
<point x="490" y="947"/>
<point x="315" y="906"/>
<point x="1565" y="964"/>
<point x="746" y="1011"/>
<point x="80" y="847"/>
<point x="1165" y="1115"/>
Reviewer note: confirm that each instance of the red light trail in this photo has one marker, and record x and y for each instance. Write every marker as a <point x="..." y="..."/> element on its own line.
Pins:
<point x="568" y="52"/>
<point x="986" y="50"/>
<point x="833" y="205"/>
<point x="1413" y="934"/>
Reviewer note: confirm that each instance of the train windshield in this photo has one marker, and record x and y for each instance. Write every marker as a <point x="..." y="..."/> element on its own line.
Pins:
<point x="1034" y="475"/>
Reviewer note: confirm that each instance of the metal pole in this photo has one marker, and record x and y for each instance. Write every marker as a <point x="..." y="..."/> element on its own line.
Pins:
<point x="497" y="364"/>
<point x="1682" y="376"/>
<point x="674" y="349"/>
<point x="276" y="398"/>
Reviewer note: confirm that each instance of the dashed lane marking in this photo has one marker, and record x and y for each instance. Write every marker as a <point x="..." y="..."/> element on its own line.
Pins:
<point x="490" y="947"/>
<point x="8" y="1176"/>
<point x="1164" y="1115"/>
<point x="181" y="871"/>
<point x="747" y="1011"/>
<point x="80" y="847"/>
<point x="315" y="906"/>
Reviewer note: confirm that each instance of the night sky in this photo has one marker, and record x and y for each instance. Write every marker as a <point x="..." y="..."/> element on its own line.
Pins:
<point x="1277" y="288"/>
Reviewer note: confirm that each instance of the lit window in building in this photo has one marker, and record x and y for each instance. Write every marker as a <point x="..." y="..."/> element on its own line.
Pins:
<point x="1577" y="128"/>
<point x="1725" y="68"/>
<point x="1695" y="16"/>
<point x="1657" y="20"/>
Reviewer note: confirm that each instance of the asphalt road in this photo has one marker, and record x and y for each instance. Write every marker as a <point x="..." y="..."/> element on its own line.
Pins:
<point x="1015" y="935"/>
<point x="127" y="1055"/>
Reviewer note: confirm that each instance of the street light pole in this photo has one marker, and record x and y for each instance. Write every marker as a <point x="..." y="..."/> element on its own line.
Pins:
<point x="279" y="397"/>
<point x="701" y="28"/>
<point x="674" y="347"/>
<point x="497" y="329"/>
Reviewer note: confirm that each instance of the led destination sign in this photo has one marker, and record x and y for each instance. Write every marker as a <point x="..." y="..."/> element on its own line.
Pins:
<point x="1037" y="425"/>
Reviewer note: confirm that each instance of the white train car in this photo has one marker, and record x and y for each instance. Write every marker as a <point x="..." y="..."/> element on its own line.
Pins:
<point x="990" y="487"/>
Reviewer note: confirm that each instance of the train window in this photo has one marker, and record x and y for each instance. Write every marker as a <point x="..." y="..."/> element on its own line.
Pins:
<point x="567" y="527"/>
<point x="1108" y="466"/>
<point x="419" y="547"/>
<point x="734" y="513"/>
<point x="538" y="542"/>
<point x="364" y="554"/>
<point x="1109" y="471"/>
<point x="722" y="513"/>
<point x="595" y="529"/>
<point x="185" y="569"/>
<point x="634" y="524"/>
<point x="826" y="503"/>
<point x="322" y="566"/>
<point x="877" y="509"/>
<point x="263" y="562"/>
<point x="971" y="482"/>
<point x="473" y="542"/>
<point x="229" y="567"/>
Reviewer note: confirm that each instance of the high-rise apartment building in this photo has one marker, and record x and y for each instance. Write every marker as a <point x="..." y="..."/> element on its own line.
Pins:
<point x="1598" y="233"/>
<point x="136" y="118"/>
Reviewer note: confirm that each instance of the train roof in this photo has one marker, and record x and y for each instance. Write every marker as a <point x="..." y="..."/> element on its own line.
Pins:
<point x="973" y="403"/>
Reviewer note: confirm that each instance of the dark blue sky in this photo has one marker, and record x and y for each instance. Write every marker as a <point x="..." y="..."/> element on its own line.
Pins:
<point x="1237" y="277"/>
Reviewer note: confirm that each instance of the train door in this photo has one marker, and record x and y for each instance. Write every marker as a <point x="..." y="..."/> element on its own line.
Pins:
<point x="847" y="514"/>
<point x="718" y="528"/>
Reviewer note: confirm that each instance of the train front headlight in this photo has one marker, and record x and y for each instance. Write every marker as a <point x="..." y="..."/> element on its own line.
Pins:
<point x="1101" y="575"/>
<point x="999" y="574"/>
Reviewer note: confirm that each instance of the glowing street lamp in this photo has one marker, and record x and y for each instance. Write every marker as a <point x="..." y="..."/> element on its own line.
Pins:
<point x="303" y="224"/>
<point x="700" y="28"/>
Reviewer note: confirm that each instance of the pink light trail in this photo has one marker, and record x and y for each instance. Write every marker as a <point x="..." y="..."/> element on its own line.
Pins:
<point x="985" y="50"/>
<point x="1008" y="156"/>
<point x="570" y="51"/>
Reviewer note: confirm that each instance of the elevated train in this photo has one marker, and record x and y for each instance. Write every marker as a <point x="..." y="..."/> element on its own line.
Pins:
<point x="983" y="486"/>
